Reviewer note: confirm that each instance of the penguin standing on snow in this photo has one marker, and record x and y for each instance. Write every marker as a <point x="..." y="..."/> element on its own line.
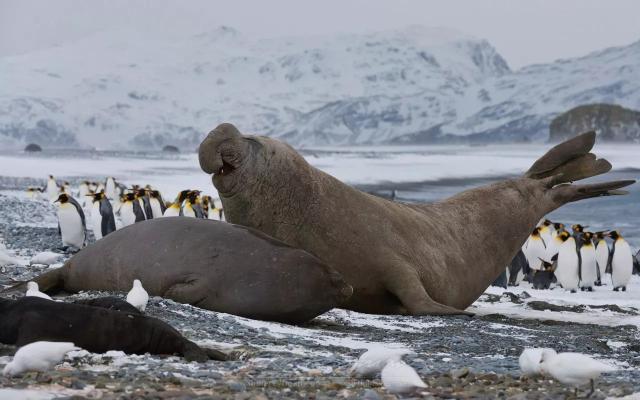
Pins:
<point x="621" y="262"/>
<point x="567" y="269"/>
<point x="602" y="255"/>
<point x="143" y="200"/>
<point x="102" y="218"/>
<point x="157" y="204"/>
<point x="71" y="221"/>
<point x="542" y="279"/>
<point x="192" y="207"/>
<point x="535" y="249"/>
<point x="588" y="263"/>
<point x="518" y="268"/>
<point x="175" y="209"/>
<point x="110" y="188"/>
<point x="52" y="188"/>
<point x="546" y="231"/>
<point x="578" y="230"/>
<point x="83" y="191"/>
<point x="130" y="210"/>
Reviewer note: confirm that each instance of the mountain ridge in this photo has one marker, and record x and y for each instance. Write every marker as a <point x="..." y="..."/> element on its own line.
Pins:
<point x="419" y="84"/>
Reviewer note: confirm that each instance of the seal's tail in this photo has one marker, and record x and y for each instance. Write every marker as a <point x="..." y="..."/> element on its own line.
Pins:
<point x="572" y="161"/>
<point x="50" y="282"/>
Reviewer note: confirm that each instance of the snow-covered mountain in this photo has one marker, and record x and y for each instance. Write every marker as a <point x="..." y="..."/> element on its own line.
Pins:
<point x="120" y="89"/>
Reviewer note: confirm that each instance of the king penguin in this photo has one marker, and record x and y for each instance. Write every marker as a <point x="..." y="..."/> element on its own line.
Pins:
<point x="535" y="249"/>
<point x="110" y="188"/>
<point x="602" y="255"/>
<point x="52" y="188"/>
<point x="102" y="218"/>
<point x="83" y="191"/>
<point x="175" y="209"/>
<point x="588" y="263"/>
<point x="71" y="221"/>
<point x="143" y="200"/>
<point x="568" y="264"/>
<point x="621" y="262"/>
<point x="518" y="268"/>
<point x="578" y="230"/>
<point x="130" y="210"/>
<point x="192" y="207"/>
<point x="157" y="204"/>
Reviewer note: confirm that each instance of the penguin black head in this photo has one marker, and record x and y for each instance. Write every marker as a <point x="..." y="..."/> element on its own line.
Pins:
<point x="129" y="196"/>
<point x="546" y="265"/>
<point x="564" y="235"/>
<point x="587" y="236"/>
<point x="536" y="231"/>
<point x="141" y="192"/>
<point x="601" y="234"/>
<point x="193" y="196"/>
<point x="546" y="222"/>
<point x="63" y="198"/>
<point x="155" y="194"/>
<point x="182" y="196"/>
<point x="558" y="226"/>
<point x="50" y="176"/>
<point x="615" y="235"/>
<point x="577" y="228"/>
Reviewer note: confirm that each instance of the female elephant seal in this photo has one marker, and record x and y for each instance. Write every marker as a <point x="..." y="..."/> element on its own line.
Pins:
<point x="400" y="258"/>
<point x="209" y="264"/>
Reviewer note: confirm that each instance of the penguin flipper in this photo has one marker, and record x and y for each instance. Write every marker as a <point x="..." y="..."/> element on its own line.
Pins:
<point x="609" y="269"/>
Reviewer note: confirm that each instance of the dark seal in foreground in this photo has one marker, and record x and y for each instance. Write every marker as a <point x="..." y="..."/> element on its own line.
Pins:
<point x="400" y="258"/>
<point x="96" y="329"/>
<point x="209" y="264"/>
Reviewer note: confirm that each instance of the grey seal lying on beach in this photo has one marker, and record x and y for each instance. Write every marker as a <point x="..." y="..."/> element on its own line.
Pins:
<point x="208" y="264"/>
<point x="400" y="258"/>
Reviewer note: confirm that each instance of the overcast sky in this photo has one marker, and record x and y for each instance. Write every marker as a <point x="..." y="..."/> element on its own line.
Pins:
<point x="523" y="31"/>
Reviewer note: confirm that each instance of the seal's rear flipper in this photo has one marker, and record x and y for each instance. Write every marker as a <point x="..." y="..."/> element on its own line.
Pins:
<point x="50" y="282"/>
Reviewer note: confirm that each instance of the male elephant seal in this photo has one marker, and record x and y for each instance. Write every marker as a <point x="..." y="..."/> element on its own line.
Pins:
<point x="400" y="258"/>
<point x="209" y="264"/>
<point x="96" y="329"/>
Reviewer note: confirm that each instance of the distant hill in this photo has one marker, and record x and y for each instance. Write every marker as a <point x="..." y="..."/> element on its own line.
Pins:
<point x="613" y="123"/>
<point x="417" y="85"/>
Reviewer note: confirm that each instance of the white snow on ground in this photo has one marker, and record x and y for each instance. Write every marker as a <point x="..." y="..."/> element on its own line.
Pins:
<point x="603" y="295"/>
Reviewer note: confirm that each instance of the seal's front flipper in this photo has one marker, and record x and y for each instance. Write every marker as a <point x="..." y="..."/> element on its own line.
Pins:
<point x="409" y="290"/>
<point x="191" y="291"/>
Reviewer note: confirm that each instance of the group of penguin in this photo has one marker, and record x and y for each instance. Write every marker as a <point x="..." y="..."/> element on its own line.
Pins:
<point x="105" y="201"/>
<point x="577" y="260"/>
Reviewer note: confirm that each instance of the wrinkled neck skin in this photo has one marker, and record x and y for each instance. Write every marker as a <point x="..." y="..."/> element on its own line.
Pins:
<point x="276" y="200"/>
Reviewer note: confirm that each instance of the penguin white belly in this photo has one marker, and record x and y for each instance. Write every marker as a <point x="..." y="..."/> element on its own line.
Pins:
<point x="71" y="227"/>
<point x="187" y="211"/>
<point x="155" y="207"/>
<point x="602" y="258"/>
<point x="126" y="214"/>
<point x="567" y="270"/>
<point x="535" y="251"/>
<point x="110" y="189"/>
<point x="141" y="202"/>
<point x="588" y="268"/>
<point x="552" y="248"/>
<point x="621" y="264"/>
<point x="214" y="215"/>
<point x="52" y="190"/>
<point x="172" y="212"/>
<point x="96" y="220"/>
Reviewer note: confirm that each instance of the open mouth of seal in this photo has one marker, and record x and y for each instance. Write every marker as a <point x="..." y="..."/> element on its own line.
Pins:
<point x="225" y="170"/>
